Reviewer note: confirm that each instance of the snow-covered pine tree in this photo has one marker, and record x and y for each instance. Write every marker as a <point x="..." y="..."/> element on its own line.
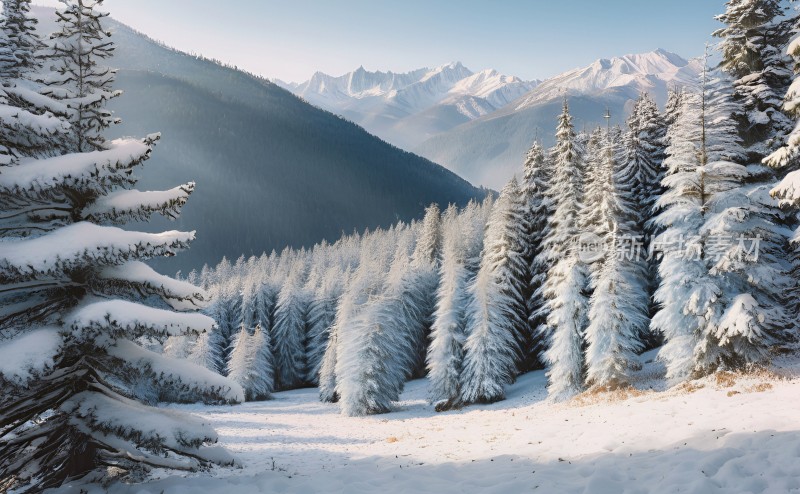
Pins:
<point x="618" y="313"/>
<point x="752" y="54"/>
<point x="720" y="302"/>
<point x="597" y="181"/>
<point x="390" y="329"/>
<point x="262" y="379"/>
<point x="787" y="156"/>
<point x="496" y="309"/>
<point x="355" y="345"/>
<point x="321" y="317"/>
<point x="327" y="367"/>
<point x="751" y="270"/>
<point x="226" y="309"/>
<point x="593" y="182"/>
<point x="785" y="160"/>
<point x="74" y="288"/>
<point x="638" y="180"/>
<point x="639" y="176"/>
<point x="21" y="44"/>
<point x="363" y="284"/>
<point x="31" y="124"/>
<point x="290" y="330"/>
<point x="206" y="350"/>
<point x="537" y="208"/>
<point x="77" y="75"/>
<point x="686" y="295"/>
<point x="672" y="108"/>
<point x="250" y="363"/>
<point x="462" y="242"/>
<point x="238" y="365"/>
<point x="567" y="304"/>
<point x="424" y="266"/>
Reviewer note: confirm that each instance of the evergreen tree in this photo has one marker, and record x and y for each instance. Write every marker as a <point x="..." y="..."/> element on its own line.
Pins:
<point x="687" y="296"/>
<point x="250" y="363"/>
<point x="752" y="54"/>
<point x="321" y="317"/>
<point x="289" y="332"/>
<point x="462" y="242"/>
<point x="425" y="262"/>
<point x="567" y="303"/>
<point x="75" y="283"/>
<point x="77" y="77"/>
<point x="21" y="44"/>
<point x="639" y="176"/>
<point x="638" y="180"/>
<point x="31" y="124"/>
<point x="207" y="351"/>
<point x="752" y="268"/>
<point x="226" y="310"/>
<point x="359" y="347"/>
<point x="262" y="377"/>
<point x="720" y="301"/>
<point x="496" y="307"/>
<point x="537" y="208"/>
<point x="238" y="366"/>
<point x="618" y="311"/>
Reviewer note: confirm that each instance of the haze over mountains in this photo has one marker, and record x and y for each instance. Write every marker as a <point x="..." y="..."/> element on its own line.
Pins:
<point x="480" y="126"/>
<point x="408" y="108"/>
<point x="271" y="170"/>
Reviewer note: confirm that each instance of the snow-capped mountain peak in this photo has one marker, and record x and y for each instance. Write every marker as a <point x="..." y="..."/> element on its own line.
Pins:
<point x="634" y="73"/>
<point x="383" y="101"/>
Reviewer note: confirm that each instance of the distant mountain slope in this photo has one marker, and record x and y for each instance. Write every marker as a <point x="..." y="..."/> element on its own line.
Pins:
<point x="271" y="170"/>
<point x="408" y="108"/>
<point x="490" y="149"/>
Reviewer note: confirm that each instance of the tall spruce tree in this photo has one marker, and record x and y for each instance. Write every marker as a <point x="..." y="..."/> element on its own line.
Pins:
<point x="638" y="179"/>
<point x="720" y="301"/>
<point x="752" y="54"/>
<point x="496" y="309"/>
<point x="77" y="75"/>
<point x="537" y="208"/>
<point x="462" y="242"/>
<point x="321" y="317"/>
<point x="290" y="330"/>
<point x="423" y="273"/>
<point x="75" y="283"/>
<point x="567" y="304"/>
<point x="32" y="124"/>
<point x="618" y="314"/>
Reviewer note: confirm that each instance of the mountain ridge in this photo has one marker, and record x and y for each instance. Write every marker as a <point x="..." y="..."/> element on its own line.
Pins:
<point x="397" y="106"/>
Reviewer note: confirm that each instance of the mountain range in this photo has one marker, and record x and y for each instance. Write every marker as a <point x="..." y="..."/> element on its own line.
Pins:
<point x="480" y="125"/>
<point x="408" y="108"/>
<point x="271" y="170"/>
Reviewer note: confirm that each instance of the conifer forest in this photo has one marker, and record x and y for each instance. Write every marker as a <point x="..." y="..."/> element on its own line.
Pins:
<point x="621" y="315"/>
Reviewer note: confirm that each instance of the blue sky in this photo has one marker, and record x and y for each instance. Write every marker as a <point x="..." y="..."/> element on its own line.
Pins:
<point x="291" y="39"/>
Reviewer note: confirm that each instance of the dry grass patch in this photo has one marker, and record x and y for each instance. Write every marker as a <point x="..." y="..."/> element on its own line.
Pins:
<point x="608" y="394"/>
<point x="758" y="388"/>
<point x="725" y="379"/>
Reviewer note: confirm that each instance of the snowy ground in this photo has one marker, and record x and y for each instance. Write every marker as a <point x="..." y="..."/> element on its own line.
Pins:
<point x="725" y="433"/>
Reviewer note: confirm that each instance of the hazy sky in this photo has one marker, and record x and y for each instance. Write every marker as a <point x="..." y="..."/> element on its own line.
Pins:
<point x="291" y="39"/>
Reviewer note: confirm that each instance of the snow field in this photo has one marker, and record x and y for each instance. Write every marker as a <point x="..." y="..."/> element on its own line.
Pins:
<point x="725" y="433"/>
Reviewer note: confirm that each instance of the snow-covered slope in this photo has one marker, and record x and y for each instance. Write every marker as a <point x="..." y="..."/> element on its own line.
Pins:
<point x="488" y="150"/>
<point x="407" y="108"/>
<point x="728" y="433"/>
